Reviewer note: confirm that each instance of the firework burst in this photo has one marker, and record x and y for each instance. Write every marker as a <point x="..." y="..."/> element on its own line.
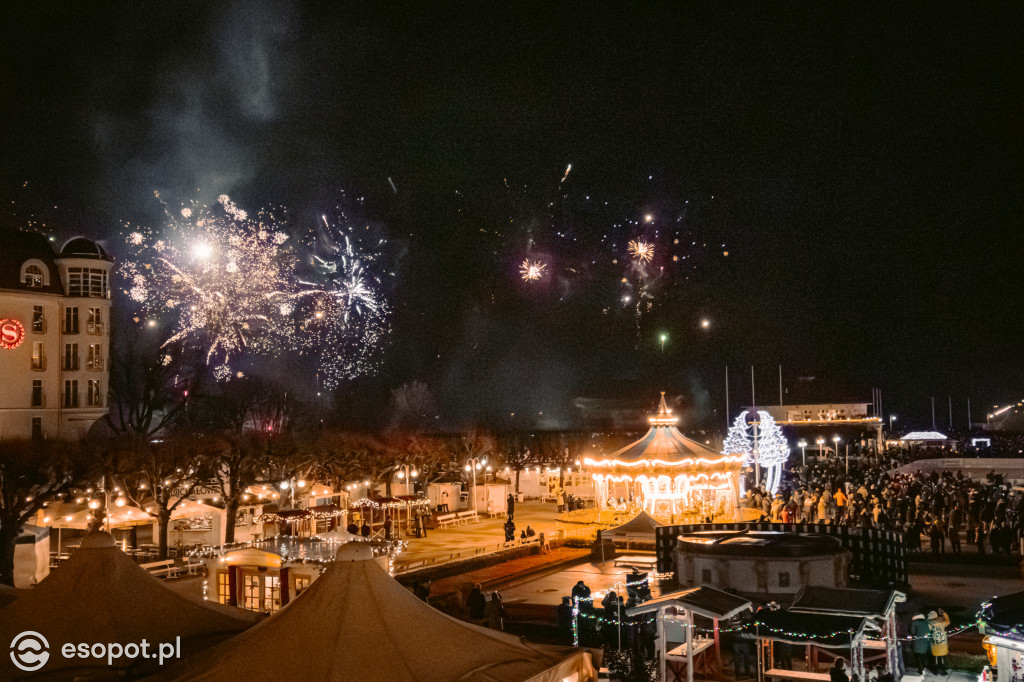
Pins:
<point x="531" y="272"/>
<point x="341" y="314"/>
<point x="214" y="271"/>
<point x="641" y="250"/>
<point x="231" y="284"/>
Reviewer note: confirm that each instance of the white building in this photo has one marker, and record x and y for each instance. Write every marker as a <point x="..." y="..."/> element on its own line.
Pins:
<point x="819" y="412"/>
<point x="54" y="336"/>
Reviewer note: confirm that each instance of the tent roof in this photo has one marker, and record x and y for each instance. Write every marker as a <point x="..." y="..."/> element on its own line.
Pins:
<point x="101" y="595"/>
<point x="9" y="594"/>
<point x="808" y="628"/>
<point x="1004" y="614"/>
<point x="355" y="622"/>
<point x="642" y="523"/>
<point x="704" y="601"/>
<point x="841" y="601"/>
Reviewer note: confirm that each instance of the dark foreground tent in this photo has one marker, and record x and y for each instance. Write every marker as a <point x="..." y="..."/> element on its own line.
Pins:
<point x="355" y="622"/>
<point x="101" y="596"/>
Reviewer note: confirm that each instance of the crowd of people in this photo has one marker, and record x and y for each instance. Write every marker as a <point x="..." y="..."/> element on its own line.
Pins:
<point x="933" y="511"/>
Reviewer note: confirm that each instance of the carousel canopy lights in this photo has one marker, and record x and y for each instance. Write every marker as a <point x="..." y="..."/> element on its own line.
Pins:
<point x="667" y="473"/>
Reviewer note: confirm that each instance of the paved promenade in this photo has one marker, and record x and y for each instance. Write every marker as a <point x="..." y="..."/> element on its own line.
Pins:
<point x="440" y="544"/>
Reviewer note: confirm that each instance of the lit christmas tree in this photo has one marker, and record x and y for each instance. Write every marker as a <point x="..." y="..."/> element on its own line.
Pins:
<point x="773" y="450"/>
<point x="737" y="441"/>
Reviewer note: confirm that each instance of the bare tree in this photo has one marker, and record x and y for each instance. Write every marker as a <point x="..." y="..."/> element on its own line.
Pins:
<point x="249" y="419"/>
<point x="413" y="407"/>
<point x="517" y="458"/>
<point x="159" y="476"/>
<point x="32" y="474"/>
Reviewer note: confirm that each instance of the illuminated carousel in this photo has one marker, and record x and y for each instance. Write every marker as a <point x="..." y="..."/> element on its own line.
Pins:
<point x="671" y="477"/>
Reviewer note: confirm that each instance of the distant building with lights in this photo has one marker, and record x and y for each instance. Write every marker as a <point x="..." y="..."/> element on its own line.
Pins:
<point x="853" y="421"/>
<point x="54" y="336"/>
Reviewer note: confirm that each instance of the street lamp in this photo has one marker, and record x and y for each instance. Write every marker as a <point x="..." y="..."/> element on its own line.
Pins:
<point x="892" y="418"/>
<point x="474" y="464"/>
<point x="820" y="441"/>
<point x="803" y="450"/>
<point x="835" y="442"/>
<point x="663" y="338"/>
<point x="405" y="475"/>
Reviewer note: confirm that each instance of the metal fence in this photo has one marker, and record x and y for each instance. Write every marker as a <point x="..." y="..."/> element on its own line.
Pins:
<point x="879" y="556"/>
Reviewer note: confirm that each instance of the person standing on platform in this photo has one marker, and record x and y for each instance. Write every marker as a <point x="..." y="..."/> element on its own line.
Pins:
<point x="920" y="645"/>
<point x="937" y="624"/>
<point x="837" y="673"/>
<point x="477" y="603"/>
<point x="495" y="612"/>
<point x="511" y="506"/>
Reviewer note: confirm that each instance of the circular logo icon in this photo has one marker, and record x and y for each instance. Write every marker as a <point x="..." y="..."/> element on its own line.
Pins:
<point x="12" y="333"/>
<point x="29" y="651"/>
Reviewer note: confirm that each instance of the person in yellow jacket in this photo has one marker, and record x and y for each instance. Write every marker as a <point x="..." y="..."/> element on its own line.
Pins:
<point x="937" y="624"/>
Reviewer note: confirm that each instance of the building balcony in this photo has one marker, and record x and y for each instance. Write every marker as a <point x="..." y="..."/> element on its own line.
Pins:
<point x="96" y="328"/>
<point x="38" y="364"/>
<point x="70" y="364"/>
<point x="39" y="400"/>
<point x="39" y="326"/>
<point x="95" y="364"/>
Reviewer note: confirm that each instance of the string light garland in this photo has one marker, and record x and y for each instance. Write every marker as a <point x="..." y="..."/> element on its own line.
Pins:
<point x="390" y="503"/>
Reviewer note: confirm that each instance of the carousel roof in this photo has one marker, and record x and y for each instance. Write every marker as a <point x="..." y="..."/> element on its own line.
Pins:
<point x="663" y="444"/>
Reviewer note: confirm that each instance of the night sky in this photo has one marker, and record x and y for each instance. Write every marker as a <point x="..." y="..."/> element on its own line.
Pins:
<point x="861" y="164"/>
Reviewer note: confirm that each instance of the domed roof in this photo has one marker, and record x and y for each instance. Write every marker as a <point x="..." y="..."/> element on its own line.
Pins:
<point x="80" y="247"/>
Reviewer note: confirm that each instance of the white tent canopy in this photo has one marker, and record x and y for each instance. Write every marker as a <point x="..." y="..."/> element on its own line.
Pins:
<point x="925" y="437"/>
<point x="355" y="622"/>
<point x="101" y="595"/>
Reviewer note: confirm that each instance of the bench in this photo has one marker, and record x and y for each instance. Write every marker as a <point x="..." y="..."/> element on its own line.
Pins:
<point x="802" y="676"/>
<point x="445" y="520"/>
<point x="161" y="569"/>
<point x="467" y="516"/>
<point x="634" y="561"/>
<point x="191" y="566"/>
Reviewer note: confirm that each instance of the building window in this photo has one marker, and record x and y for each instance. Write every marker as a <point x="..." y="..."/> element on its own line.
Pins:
<point x="87" y="282"/>
<point x="33" y="277"/>
<point x="38" y="321"/>
<point x="301" y="585"/>
<point x="784" y="579"/>
<point x="37" y="393"/>
<point x="223" y="587"/>
<point x="93" y="357"/>
<point x="705" y="576"/>
<point x="71" y="393"/>
<point x="94" y="397"/>
<point x="95" y="321"/>
<point x="251" y="592"/>
<point x="271" y="594"/>
<point x="38" y="359"/>
<point x="37" y="428"/>
<point x="70" y="357"/>
<point x="71" y="320"/>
